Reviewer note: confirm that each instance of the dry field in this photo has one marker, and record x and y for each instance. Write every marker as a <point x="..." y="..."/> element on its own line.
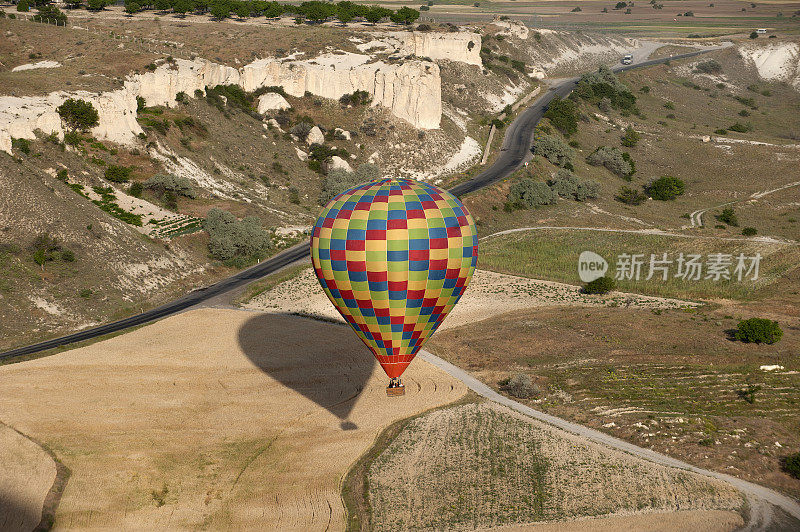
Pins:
<point x="670" y="381"/>
<point x="489" y="294"/>
<point x="490" y="467"/>
<point x="211" y="418"/>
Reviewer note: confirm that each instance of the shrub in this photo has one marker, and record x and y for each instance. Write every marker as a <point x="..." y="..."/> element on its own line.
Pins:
<point x="728" y="216"/>
<point x="163" y="183"/>
<point x="566" y="185"/>
<point x="135" y="190"/>
<point x="68" y="255"/>
<point x="118" y="174"/>
<point x="753" y="35"/>
<point x="711" y="66"/>
<point x="744" y="112"/>
<point x="603" y="84"/>
<point x="302" y="129"/>
<point x="521" y="386"/>
<point x="665" y="188"/>
<point x="741" y="128"/>
<point x="62" y="174"/>
<point x="721" y="131"/>
<point x="50" y="14"/>
<point x="749" y="231"/>
<point x="630" y="196"/>
<point x="22" y="145"/>
<point x="181" y="97"/>
<point x="613" y="159"/>
<point x="601" y="285"/>
<point x="791" y="464"/>
<point x="356" y="98"/>
<point x="645" y="89"/>
<point x="630" y="138"/>
<point x="78" y="115"/>
<point x="758" y="331"/>
<point x="563" y="114"/>
<point x="527" y="193"/>
<point x="23" y="6"/>
<point x="85" y="293"/>
<point x="669" y="105"/>
<point x="553" y="149"/>
<point x="235" y="241"/>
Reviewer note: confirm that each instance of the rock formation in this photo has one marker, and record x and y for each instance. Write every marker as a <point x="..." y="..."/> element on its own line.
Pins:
<point x="775" y="62"/>
<point x="457" y="46"/>
<point x="410" y="90"/>
<point x="271" y="101"/>
<point x="315" y="136"/>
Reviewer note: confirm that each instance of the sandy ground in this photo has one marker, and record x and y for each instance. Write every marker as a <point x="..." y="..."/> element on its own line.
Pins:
<point x="211" y="418"/>
<point x="26" y="474"/>
<point x="489" y="294"/>
<point x="687" y="521"/>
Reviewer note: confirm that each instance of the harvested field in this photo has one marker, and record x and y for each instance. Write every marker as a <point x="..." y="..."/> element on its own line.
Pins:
<point x="489" y="294"/>
<point x="26" y="474"/>
<point x="211" y="418"/>
<point x="683" y="521"/>
<point x="491" y="467"/>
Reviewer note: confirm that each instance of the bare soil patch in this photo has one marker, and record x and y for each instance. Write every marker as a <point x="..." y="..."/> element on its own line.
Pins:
<point x="212" y="418"/>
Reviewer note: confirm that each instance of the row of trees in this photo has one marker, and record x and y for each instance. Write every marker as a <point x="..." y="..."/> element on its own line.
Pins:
<point x="313" y="11"/>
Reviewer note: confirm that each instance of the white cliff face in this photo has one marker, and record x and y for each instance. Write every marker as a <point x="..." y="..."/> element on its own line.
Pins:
<point x="775" y="62"/>
<point x="457" y="46"/>
<point x="411" y="91"/>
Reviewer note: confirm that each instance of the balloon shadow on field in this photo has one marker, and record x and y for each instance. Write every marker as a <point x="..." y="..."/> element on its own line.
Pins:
<point x="325" y="362"/>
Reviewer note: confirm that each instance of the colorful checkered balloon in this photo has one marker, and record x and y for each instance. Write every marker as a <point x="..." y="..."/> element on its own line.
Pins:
<point x="394" y="256"/>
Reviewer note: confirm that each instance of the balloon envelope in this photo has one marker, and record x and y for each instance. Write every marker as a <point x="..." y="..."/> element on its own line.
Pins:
<point x="394" y="256"/>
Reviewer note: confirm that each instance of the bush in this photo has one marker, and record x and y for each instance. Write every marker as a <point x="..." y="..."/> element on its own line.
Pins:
<point x="758" y="331"/>
<point x="567" y="185"/>
<point x="163" y="183"/>
<point x="22" y="145"/>
<point x="553" y="149"/>
<point x="753" y="35"/>
<point x="601" y="285"/>
<point x="711" y="66"/>
<point x="527" y="193"/>
<point x="630" y="138"/>
<point x="741" y="128"/>
<point x="791" y="464"/>
<point x="563" y="114"/>
<point x="235" y="241"/>
<point x="749" y="231"/>
<point x="302" y="129"/>
<point x="356" y="98"/>
<point x="728" y="216"/>
<point x="521" y="386"/>
<point x="604" y="85"/>
<point x="78" y="115"/>
<point x="118" y="174"/>
<point x="62" y="175"/>
<point x="23" y="6"/>
<point x="136" y="190"/>
<point x="744" y="112"/>
<point x="630" y="196"/>
<point x="613" y="159"/>
<point x="665" y="188"/>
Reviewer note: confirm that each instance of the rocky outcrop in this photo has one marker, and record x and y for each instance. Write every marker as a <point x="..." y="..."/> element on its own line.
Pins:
<point x="337" y="163"/>
<point x="775" y="62"/>
<point x="456" y="46"/>
<point x="315" y="136"/>
<point x="410" y="90"/>
<point x="271" y="101"/>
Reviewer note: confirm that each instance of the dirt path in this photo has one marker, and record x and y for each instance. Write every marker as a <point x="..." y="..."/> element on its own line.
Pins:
<point x="761" y="499"/>
<point x="696" y="217"/>
<point x="207" y="419"/>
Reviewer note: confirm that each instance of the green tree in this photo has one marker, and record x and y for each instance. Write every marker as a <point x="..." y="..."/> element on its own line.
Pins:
<point x="563" y="114"/>
<point x="601" y="285"/>
<point x="23" y="6"/>
<point x="665" y="188"/>
<point x="132" y="6"/>
<point x="220" y="9"/>
<point x="630" y="138"/>
<point x="273" y="10"/>
<point x="527" y="193"/>
<point x="759" y="331"/>
<point x="78" y="115"/>
<point x="728" y="216"/>
<point x="181" y="7"/>
<point x="404" y="15"/>
<point x="50" y="15"/>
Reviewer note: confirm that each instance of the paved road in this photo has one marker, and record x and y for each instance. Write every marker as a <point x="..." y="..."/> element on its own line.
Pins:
<point x="759" y="498"/>
<point x="515" y="150"/>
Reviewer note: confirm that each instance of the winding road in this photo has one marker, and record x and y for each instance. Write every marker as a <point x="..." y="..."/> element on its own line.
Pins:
<point x="514" y="152"/>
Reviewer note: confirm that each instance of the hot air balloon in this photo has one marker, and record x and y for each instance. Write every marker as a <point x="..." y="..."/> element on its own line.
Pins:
<point x="394" y="256"/>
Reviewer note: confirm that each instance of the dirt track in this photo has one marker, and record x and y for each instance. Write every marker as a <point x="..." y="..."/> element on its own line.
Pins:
<point x="215" y="418"/>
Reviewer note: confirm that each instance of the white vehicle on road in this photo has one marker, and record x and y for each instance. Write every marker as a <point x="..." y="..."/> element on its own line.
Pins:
<point x="627" y="60"/>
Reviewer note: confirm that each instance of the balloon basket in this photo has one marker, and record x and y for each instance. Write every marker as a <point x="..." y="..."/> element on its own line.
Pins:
<point x="395" y="388"/>
<point x="396" y="391"/>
